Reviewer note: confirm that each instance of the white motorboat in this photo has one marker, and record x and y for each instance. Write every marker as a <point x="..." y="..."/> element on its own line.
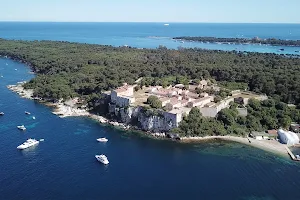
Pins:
<point x="166" y="24"/>
<point x="33" y="117"/>
<point x="102" y="139"/>
<point x="22" y="127"/>
<point x="27" y="113"/>
<point x="102" y="158"/>
<point x="30" y="142"/>
<point x="1" y="113"/>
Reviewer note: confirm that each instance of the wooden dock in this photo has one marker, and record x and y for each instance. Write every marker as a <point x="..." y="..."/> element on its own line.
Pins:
<point x="291" y="154"/>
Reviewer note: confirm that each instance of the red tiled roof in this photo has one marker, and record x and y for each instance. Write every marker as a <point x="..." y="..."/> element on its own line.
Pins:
<point x="174" y="101"/>
<point x="273" y="132"/>
<point x="123" y="88"/>
<point x="193" y="95"/>
<point x="184" y="101"/>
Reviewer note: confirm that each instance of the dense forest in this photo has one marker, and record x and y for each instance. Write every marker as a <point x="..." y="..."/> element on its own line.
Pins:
<point x="270" y="41"/>
<point x="67" y="69"/>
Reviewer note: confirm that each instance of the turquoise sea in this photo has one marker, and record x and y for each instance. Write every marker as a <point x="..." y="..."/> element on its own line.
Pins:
<point x="151" y="35"/>
<point x="64" y="167"/>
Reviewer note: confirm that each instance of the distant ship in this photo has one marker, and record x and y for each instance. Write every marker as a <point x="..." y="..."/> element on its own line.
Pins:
<point x="22" y="127"/>
<point x="27" y="144"/>
<point x="102" y="139"/>
<point x="166" y="24"/>
<point x="102" y="158"/>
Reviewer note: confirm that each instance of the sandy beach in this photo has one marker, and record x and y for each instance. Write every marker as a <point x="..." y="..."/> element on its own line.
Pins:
<point x="272" y="146"/>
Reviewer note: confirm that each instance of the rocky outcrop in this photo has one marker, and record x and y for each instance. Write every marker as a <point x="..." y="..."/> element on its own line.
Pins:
<point x="127" y="115"/>
<point x="155" y="123"/>
<point x="147" y="120"/>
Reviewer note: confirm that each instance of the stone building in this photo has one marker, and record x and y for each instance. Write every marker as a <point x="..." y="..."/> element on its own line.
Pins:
<point x="123" y="96"/>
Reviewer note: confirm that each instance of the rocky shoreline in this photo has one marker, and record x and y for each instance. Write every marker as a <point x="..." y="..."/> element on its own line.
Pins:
<point x="68" y="109"/>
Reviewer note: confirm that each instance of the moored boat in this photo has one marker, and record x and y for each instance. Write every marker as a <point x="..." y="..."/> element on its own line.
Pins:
<point x="22" y="127"/>
<point x="102" y="139"/>
<point x="28" y="143"/>
<point x="1" y="113"/>
<point x="27" y="113"/>
<point x="102" y="158"/>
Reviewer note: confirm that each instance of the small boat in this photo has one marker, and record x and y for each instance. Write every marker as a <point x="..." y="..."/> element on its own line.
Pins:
<point x="6" y="64"/>
<point x="102" y="158"/>
<point x="22" y="127"/>
<point x="1" y="113"/>
<point x="27" y="113"/>
<point x="33" y="117"/>
<point x="281" y="49"/>
<point x="166" y="24"/>
<point x="297" y="51"/>
<point x="42" y="140"/>
<point x="102" y="139"/>
<point x="30" y="142"/>
<point x="16" y="69"/>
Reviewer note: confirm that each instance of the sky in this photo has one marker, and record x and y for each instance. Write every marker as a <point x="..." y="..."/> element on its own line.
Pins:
<point x="212" y="11"/>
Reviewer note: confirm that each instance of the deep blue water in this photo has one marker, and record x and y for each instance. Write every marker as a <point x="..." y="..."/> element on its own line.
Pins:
<point x="151" y="35"/>
<point x="64" y="167"/>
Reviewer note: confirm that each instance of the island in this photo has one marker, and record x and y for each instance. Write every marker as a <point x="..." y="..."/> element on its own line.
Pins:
<point x="185" y="94"/>
<point x="256" y="40"/>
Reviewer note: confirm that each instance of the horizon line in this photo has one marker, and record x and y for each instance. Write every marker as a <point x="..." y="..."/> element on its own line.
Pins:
<point x="12" y="21"/>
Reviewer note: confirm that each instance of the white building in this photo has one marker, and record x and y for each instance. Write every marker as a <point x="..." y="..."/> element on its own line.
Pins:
<point x="288" y="137"/>
<point x="164" y="101"/>
<point x="123" y="96"/>
<point x="173" y="104"/>
<point x="200" y="102"/>
<point x="202" y="84"/>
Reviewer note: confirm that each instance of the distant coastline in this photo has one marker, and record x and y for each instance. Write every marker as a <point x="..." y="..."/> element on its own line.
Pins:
<point x="256" y="40"/>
